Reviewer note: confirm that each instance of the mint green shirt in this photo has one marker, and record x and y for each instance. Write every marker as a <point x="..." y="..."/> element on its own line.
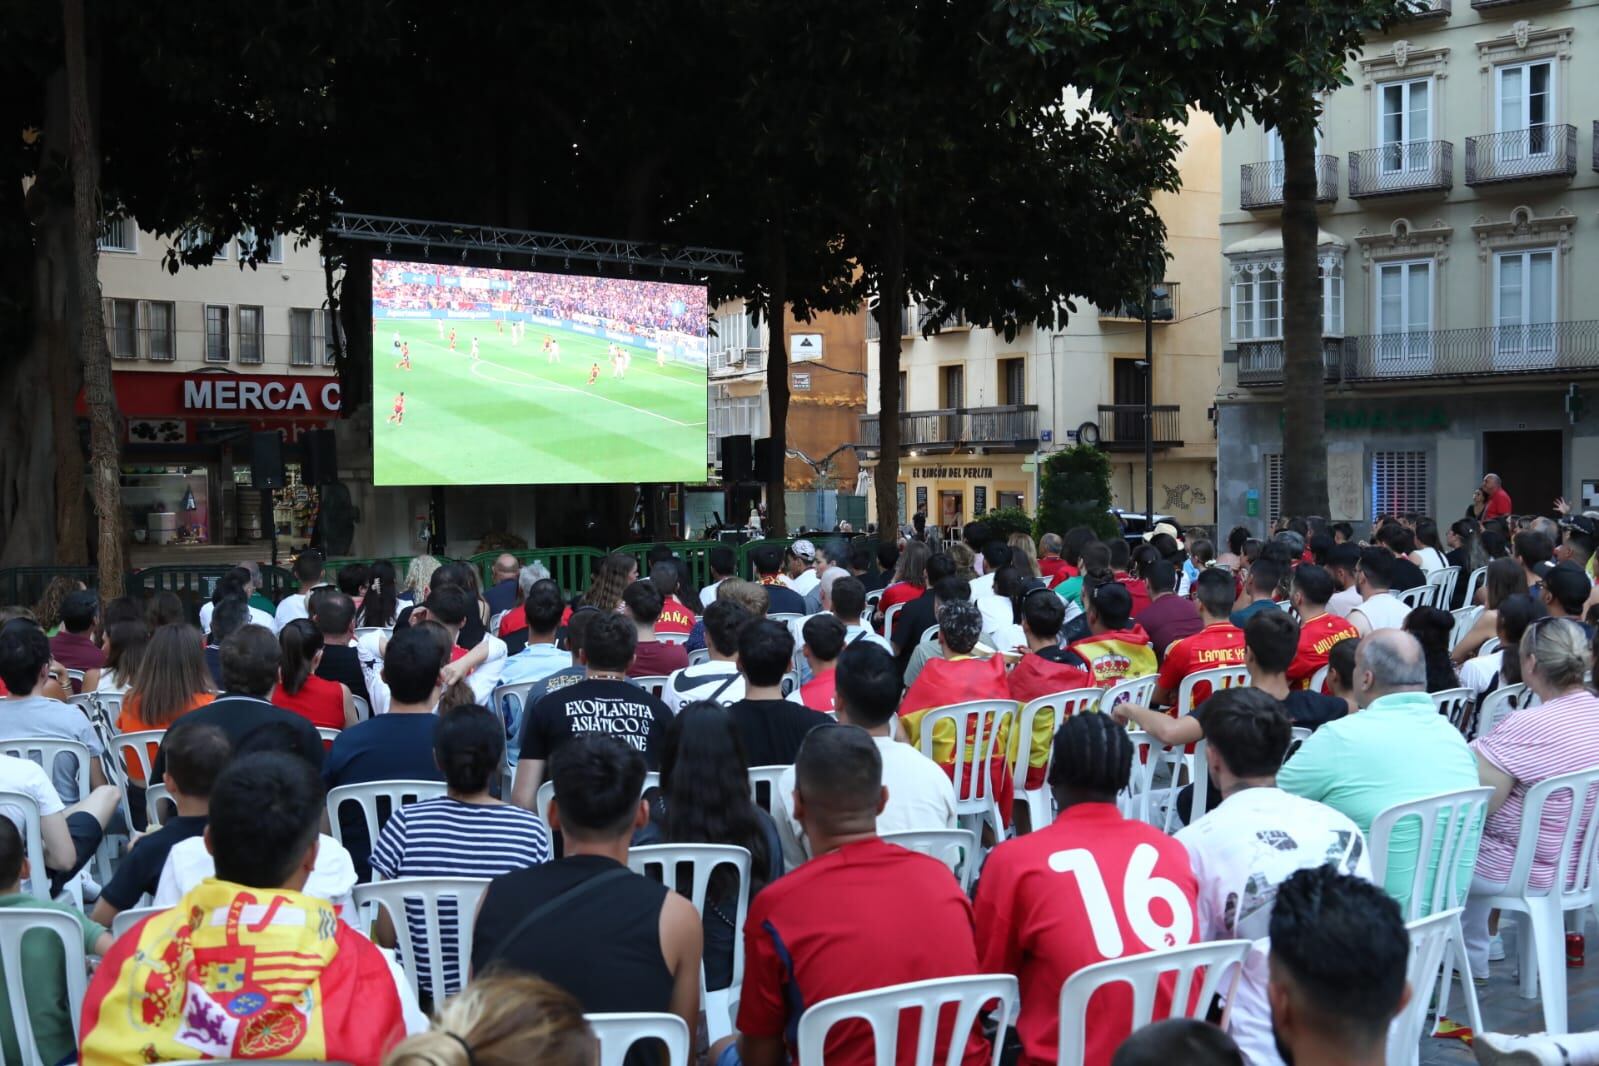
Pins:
<point x="1397" y="749"/>
<point x="43" y="964"/>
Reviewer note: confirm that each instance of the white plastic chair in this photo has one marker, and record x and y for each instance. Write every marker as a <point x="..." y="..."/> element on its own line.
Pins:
<point x="789" y="683"/>
<point x="672" y="638"/>
<point x="1478" y="579"/>
<point x="75" y="675"/>
<point x="328" y="734"/>
<point x="654" y="684"/>
<point x="1540" y="913"/>
<point x="1456" y="704"/>
<point x="766" y="777"/>
<point x="362" y="631"/>
<point x="366" y="794"/>
<point x="136" y="749"/>
<point x="1135" y="690"/>
<point x="44" y="752"/>
<point x="1318" y="680"/>
<point x="15" y="923"/>
<point x="889" y="617"/>
<point x="1060" y="706"/>
<point x="871" y="599"/>
<point x="363" y="709"/>
<point x="930" y="634"/>
<point x="881" y="1009"/>
<point x="1450" y="824"/>
<point x="1498" y="704"/>
<point x="1465" y="618"/>
<point x="127" y="919"/>
<point x="427" y="893"/>
<point x="618" y="1033"/>
<point x="38" y="881"/>
<point x="986" y="721"/>
<point x="1444" y="581"/>
<point x="1431" y="940"/>
<point x="1219" y="958"/>
<point x="701" y="860"/>
<point x="696" y="656"/>
<point x="1420" y="596"/>
<point x="955" y="848"/>
<point x="1489" y="646"/>
<point x="1214" y="680"/>
<point x="546" y="793"/>
<point x="788" y="618"/>
<point x="510" y="701"/>
<point x="154" y="797"/>
<point x="1136" y="800"/>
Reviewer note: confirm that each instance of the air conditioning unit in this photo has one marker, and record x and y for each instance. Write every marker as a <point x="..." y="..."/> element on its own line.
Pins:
<point x="735" y="356"/>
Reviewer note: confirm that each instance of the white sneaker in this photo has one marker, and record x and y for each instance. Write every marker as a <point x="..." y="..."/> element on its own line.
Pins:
<point x="1496" y="948"/>
<point x="1502" y="1049"/>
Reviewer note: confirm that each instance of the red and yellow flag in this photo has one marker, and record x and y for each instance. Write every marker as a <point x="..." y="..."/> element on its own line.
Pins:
<point x="237" y="972"/>
<point x="962" y="679"/>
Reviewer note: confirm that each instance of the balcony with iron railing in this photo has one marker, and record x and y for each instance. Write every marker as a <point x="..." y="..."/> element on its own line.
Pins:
<point x="1260" y="185"/>
<point x="1121" y="426"/>
<point x="1162" y="306"/>
<point x="1013" y="427"/>
<point x="1484" y="352"/>
<point x="1430" y="9"/>
<point x="736" y="361"/>
<point x="1402" y="167"/>
<point x="1522" y="155"/>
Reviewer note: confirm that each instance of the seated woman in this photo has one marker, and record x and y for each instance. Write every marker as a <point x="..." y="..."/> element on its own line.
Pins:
<point x="324" y="703"/>
<point x="1557" y="736"/>
<point x="464" y="833"/>
<point x="171" y="681"/>
<point x="704" y="798"/>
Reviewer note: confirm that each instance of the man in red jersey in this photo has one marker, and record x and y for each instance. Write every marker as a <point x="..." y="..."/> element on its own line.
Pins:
<point x="1046" y="669"/>
<point x="821" y="931"/>
<point x="1219" y="643"/>
<point x="1093" y="886"/>
<point x="1319" y="628"/>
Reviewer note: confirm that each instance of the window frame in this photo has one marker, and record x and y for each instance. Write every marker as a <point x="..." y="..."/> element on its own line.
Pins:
<point x="306" y="316"/>
<point x="112" y="305"/>
<point x="1408" y="160"/>
<point x="249" y="338"/>
<point x="1405" y="497"/>
<point x="126" y="227"/>
<point x="220" y="333"/>
<point x="151" y="332"/>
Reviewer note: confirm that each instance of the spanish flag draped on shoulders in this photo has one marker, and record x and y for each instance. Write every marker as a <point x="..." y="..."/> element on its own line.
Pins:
<point x="960" y="679"/>
<point x="1117" y="655"/>
<point x="1044" y="673"/>
<point x="238" y="972"/>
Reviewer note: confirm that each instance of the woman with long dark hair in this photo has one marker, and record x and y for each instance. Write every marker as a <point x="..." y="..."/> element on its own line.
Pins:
<point x="1430" y="626"/>
<point x="1506" y="579"/>
<point x="380" y="606"/>
<point x="617" y="571"/>
<point x="1002" y="611"/>
<point x="910" y="577"/>
<point x="322" y="702"/>
<point x="124" y="649"/>
<point x="171" y="681"/>
<point x="1430" y="550"/>
<point x="1464" y="540"/>
<point x="1487" y="672"/>
<point x="704" y="798"/>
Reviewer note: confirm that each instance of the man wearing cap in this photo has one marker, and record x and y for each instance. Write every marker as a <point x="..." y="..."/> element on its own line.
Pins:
<point x="959" y="677"/>
<point x="1117" y="648"/>
<point x="800" y="564"/>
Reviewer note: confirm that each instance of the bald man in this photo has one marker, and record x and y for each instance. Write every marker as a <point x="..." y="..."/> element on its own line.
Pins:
<point x="1493" y="490"/>
<point x="1397" y="748"/>
<point x="502" y="592"/>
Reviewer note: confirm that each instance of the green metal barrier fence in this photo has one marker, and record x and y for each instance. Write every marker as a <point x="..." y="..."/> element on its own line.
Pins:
<point x="23" y="586"/>
<point x="695" y="553"/>
<point x="569" y="568"/>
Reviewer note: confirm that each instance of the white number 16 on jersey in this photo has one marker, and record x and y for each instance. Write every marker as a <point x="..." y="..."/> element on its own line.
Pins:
<point x="1140" y="888"/>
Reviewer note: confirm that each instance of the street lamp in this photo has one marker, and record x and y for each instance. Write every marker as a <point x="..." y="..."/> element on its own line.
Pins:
<point x="1155" y="292"/>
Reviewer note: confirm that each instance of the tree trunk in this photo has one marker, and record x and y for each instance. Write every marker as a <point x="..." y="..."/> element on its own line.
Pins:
<point x="777" y="381"/>
<point x="104" y="464"/>
<point x="890" y="311"/>
<point x="1304" y="396"/>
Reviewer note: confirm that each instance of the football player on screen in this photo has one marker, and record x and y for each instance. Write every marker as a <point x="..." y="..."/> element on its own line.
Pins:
<point x="405" y="356"/>
<point x="474" y="350"/>
<point x="398" y="417"/>
<point x="594" y="373"/>
<point x="452" y="338"/>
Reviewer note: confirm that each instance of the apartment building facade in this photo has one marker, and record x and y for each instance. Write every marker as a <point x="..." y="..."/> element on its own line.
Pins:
<point x="979" y="413"/>
<point x="1458" y="192"/>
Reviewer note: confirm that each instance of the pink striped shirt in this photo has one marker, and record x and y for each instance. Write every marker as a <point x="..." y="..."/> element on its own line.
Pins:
<point x="1531" y="745"/>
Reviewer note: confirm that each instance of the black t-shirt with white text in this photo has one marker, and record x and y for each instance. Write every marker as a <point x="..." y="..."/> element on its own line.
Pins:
<point x="612" y="708"/>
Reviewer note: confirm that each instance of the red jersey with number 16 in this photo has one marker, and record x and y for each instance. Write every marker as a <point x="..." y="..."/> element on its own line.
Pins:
<point x="1316" y="638"/>
<point x="1093" y="886"/>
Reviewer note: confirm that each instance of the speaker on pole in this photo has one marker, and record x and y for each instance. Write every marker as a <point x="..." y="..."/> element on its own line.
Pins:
<point x="321" y="462"/>
<point x="736" y="458"/>
<point x="767" y="463"/>
<point x="266" y="460"/>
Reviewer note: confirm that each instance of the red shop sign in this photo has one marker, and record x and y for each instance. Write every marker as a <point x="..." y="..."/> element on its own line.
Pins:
<point x="146" y="394"/>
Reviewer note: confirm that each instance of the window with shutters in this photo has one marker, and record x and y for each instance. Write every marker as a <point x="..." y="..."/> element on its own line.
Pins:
<point x="217" y="339"/>
<point x="1274" y="487"/>
<point x="122" y="328"/>
<point x="252" y="340"/>
<point x="160" y="331"/>
<point x="118" y="235"/>
<point x="300" y="336"/>
<point x="1400" y="483"/>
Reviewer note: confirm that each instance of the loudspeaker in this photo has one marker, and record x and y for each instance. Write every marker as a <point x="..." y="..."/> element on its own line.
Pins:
<point x="320" y="465"/>
<point x="768" y="465"/>
<point x="736" y="458"/>
<point x="266" y="460"/>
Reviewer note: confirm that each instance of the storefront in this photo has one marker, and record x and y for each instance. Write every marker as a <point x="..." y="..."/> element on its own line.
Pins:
<point x="951" y="492"/>
<point x="187" y="487"/>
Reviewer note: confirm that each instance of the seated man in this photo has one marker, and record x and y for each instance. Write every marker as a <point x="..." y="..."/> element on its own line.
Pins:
<point x="1219" y="643"/>
<point x="43" y="965"/>
<point x="1339" y="952"/>
<point x="824" y="640"/>
<point x="958" y="677"/>
<point x="1117" y="648"/>
<point x="846" y="599"/>
<point x="1319" y="628"/>
<point x="1046" y="669"/>
<point x="451" y="607"/>
<point x="333" y="614"/>
<point x="798" y="952"/>
<point x="73" y="646"/>
<point x="1397" y="748"/>
<point x="251" y="965"/>
<point x="1053" y="901"/>
<point x="770" y="726"/>
<point x="920" y="795"/>
<point x="717" y="678"/>
<point x="651" y="657"/>
<point x="616" y="940"/>
<point x="28" y="711"/>
<point x="1264" y="578"/>
<point x="768" y="561"/>
<point x="196" y="754"/>
<point x="1170" y="616"/>
<point x="1254" y="840"/>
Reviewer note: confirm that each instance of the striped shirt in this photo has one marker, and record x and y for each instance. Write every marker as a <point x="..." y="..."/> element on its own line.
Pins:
<point x="444" y="837"/>
<point x="1533" y="744"/>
